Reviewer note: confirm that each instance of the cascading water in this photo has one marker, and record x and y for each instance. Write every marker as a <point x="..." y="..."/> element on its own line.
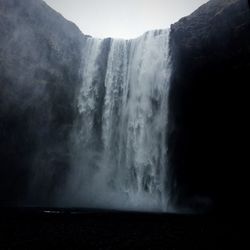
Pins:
<point x="119" y="138"/>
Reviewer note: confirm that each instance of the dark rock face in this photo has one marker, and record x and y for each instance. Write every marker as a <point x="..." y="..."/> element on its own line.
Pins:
<point x="39" y="76"/>
<point x="211" y="62"/>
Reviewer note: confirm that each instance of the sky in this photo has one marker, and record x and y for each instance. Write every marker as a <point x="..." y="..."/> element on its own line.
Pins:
<point x="123" y="18"/>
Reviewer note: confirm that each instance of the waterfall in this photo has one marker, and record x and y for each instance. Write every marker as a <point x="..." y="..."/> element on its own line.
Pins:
<point x="119" y="138"/>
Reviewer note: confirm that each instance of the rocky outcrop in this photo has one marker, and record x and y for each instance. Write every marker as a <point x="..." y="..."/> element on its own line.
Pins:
<point x="211" y="62"/>
<point x="39" y="75"/>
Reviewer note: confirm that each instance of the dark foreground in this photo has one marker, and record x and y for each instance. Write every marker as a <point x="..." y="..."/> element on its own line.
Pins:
<point x="91" y="229"/>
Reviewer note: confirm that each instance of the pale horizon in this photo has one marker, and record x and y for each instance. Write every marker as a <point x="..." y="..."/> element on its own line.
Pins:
<point x="123" y="19"/>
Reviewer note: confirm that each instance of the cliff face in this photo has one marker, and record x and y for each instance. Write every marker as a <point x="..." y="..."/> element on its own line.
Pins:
<point x="39" y="78"/>
<point x="39" y="75"/>
<point x="211" y="63"/>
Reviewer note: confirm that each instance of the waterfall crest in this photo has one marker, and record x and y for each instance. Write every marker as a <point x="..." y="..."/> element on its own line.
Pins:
<point x="119" y="138"/>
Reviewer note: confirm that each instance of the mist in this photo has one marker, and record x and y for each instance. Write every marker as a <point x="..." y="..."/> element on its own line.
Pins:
<point x="118" y="140"/>
<point x="34" y="56"/>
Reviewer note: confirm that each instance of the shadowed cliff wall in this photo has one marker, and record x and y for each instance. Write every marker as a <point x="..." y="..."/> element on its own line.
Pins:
<point x="39" y="74"/>
<point x="211" y="62"/>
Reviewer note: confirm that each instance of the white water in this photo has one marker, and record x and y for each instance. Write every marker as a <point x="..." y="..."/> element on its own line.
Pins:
<point x="119" y="139"/>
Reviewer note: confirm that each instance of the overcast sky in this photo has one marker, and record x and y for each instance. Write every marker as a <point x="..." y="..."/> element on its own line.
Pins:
<point x="123" y="18"/>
